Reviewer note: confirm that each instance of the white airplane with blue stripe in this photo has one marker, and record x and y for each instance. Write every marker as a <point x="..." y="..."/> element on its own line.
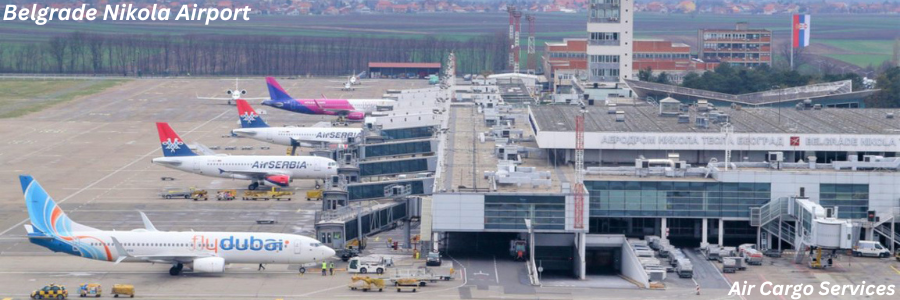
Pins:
<point x="253" y="126"/>
<point x="260" y="169"/>
<point x="201" y="252"/>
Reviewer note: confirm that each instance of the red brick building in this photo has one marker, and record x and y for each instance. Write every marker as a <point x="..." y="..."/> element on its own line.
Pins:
<point x="564" y="60"/>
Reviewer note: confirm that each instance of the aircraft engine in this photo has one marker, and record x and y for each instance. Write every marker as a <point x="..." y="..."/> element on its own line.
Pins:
<point x="356" y="115"/>
<point x="209" y="265"/>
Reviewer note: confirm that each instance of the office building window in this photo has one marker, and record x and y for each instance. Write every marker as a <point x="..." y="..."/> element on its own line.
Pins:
<point x="510" y="211"/>
<point x="852" y="200"/>
<point x="675" y="199"/>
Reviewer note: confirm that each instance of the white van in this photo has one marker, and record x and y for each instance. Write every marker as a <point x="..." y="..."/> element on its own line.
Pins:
<point x="871" y="248"/>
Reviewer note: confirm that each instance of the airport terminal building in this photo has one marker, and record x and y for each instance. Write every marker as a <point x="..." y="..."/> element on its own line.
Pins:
<point x="657" y="169"/>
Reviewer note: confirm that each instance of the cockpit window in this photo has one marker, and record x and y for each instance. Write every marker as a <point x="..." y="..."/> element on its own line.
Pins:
<point x="332" y="164"/>
<point x="315" y="245"/>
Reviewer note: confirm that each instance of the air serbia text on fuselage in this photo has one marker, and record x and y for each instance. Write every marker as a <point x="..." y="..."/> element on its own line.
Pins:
<point x="272" y="164"/>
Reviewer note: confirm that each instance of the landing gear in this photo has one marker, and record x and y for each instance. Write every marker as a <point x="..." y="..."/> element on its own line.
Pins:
<point x="253" y="186"/>
<point x="302" y="270"/>
<point x="318" y="186"/>
<point x="176" y="269"/>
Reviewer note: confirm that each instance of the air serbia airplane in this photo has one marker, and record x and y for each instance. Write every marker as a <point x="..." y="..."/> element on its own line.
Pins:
<point x="254" y="127"/>
<point x="275" y="170"/>
<point x="352" y="109"/>
<point x="202" y="252"/>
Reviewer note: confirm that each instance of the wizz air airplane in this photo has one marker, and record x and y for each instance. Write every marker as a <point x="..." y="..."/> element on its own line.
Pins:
<point x="254" y="127"/>
<point x="202" y="252"/>
<point x="352" y="109"/>
<point x="261" y="169"/>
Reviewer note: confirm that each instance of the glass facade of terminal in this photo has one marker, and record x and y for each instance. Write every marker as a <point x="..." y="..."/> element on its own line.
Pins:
<point x="393" y="167"/>
<point x="675" y="198"/>
<point x="407" y="133"/>
<point x="510" y="211"/>
<point x="379" y="150"/>
<point x="376" y="190"/>
<point x="852" y="200"/>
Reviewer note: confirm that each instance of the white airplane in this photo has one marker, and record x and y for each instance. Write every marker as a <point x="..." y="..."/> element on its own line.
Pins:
<point x="254" y="127"/>
<point x="202" y="252"/>
<point x="348" y="86"/>
<point x="354" y="80"/>
<point x="233" y="95"/>
<point x="274" y="170"/>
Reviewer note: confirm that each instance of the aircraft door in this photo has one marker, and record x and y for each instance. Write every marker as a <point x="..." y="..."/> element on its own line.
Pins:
<point x="317" y="166"/>
<point x="197" y="168"/>
<point x="297" y="247"/>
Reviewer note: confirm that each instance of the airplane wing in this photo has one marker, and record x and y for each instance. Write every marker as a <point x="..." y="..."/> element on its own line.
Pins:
<point x="160" y="258"/>
<point x="253" y="174"/>
<point x="230" y="99"/>
<point x="338" y="111"/>
<point x="214" y="98"/>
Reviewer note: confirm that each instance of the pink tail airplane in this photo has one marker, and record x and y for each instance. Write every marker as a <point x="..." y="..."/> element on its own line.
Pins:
<point x="352" y="109"/>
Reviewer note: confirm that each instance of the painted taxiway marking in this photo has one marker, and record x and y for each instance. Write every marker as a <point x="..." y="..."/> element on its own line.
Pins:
<point x="895" y="269"/>
<point x="139" y="159"/>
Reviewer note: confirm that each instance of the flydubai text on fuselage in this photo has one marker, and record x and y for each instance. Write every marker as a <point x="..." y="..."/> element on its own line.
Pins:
<point x="200" y="251"/>
<point x="353" y="109"/>
<point x="275" y="170"/>
<point x="253" y="126"/>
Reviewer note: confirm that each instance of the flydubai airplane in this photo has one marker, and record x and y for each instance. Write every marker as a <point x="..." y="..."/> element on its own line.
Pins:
<point x="202" y="252"/>
<point x="352" y="109"/>
<point x="274" y="170"/>
<point x="254" y="127"/>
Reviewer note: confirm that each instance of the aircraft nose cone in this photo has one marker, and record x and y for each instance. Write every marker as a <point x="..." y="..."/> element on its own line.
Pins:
<point x="266" y="102"/>
<point x="329" y="252"/>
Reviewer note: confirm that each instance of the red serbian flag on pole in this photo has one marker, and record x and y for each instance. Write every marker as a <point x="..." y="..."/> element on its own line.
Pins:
<point x="801" y="31"/>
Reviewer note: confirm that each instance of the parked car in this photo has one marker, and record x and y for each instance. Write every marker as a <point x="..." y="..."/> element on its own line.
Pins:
<point x="871" y="248"/>
<point x="51" y="291"/>
<point x="433" y="259"/>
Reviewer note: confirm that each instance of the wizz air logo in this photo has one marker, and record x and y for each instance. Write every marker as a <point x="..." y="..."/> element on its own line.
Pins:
<point x="249" y="117"/>
<point x="172" y="145"/>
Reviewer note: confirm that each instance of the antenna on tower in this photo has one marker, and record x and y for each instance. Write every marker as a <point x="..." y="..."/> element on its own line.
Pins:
<point x="532" y="58"/>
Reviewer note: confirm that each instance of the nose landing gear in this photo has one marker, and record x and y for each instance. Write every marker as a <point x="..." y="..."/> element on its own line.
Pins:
<point x="253" y="186"/>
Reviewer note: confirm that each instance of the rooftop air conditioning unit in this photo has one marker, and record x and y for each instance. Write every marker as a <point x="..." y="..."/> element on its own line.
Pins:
<point x="776" y="156"/>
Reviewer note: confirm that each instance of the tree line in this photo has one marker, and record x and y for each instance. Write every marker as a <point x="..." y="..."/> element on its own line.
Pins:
<point x="205" y="54"/>
<point x="735" y="80"/>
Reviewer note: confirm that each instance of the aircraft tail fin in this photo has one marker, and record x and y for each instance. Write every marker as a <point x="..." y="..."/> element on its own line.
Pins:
<point x="249" y="117"/>
<point x="47" y="218"/>
<point x="172" y="144"/>
<point x="276" y="92"/>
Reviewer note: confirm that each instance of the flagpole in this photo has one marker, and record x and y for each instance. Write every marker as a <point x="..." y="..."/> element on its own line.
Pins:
<point x="792" y="42"/>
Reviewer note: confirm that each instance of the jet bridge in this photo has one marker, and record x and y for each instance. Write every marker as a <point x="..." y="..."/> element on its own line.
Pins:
<point x="802" y="223"/>
<point x="344" y="226"/>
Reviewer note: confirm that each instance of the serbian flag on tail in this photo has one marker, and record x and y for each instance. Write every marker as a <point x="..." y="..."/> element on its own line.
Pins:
<point x="801" y="31"/>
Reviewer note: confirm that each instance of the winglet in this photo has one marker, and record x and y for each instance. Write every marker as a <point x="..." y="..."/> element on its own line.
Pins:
<point x="122" y="253"/>
<point x="147" y="224"/>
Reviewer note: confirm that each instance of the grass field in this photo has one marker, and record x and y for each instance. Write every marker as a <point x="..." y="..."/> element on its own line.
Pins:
<point x="21" y="97"/>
